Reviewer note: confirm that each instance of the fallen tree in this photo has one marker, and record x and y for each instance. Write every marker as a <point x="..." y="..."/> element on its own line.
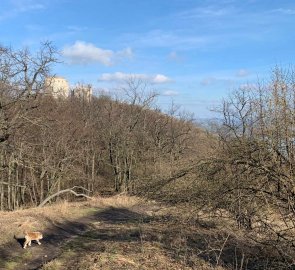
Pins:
<point x="70" y="190"/>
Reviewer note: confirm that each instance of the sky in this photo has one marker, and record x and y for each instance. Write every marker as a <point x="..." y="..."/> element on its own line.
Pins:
<point x="191" y="52"/>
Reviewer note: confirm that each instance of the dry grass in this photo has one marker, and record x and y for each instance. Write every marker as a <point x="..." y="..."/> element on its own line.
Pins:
<point x="16" y="222"/>
<point x="133" y="253"/>
<point x="132" y="233"/>
<point x="13" y="224"/>
<point x="53" y="265"/>
<point x="153" y="257"/>
<point x="164" y="239"/>
<point x="118" y="201"/>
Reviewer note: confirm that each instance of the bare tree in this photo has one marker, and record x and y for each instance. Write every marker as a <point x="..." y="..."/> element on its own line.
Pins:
<point x="27" y="71"/>
<point x="22" y="74"/>
<point x="253" y="169"/>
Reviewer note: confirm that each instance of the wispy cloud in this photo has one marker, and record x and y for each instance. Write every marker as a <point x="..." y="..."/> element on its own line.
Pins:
<point x="218" y="23"/>
<point x="27" y="5"/>
<point x="207" y="81"/>
<point x="286" y="11"/>
<point x="249" y="86"/>
<point x="170" y="93"/>
<point x="86" y="53"/>
<point x="120" y="76"/>
<point x="161" y="38"/>
<point x="33" y="27"/>
<point x="211" y="25"/>
<point x="211" y="11"/>
<point x="206" y="27"/>
<point x="242" y="73"/>
<point x="174" y="56"/>
<point x="75" y="28"/>
<point x="126" y="53"/>
<point x="20" y="6"/>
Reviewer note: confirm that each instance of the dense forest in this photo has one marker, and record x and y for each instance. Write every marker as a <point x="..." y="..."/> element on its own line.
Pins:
<point x="244" y="165"/>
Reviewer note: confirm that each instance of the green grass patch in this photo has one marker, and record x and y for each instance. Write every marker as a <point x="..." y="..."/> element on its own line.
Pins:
<point x="11" y="265"/>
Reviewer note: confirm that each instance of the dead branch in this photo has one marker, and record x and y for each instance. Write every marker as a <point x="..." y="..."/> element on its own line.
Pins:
<point x="10" y="184"/>
<point x="70" y="190"/>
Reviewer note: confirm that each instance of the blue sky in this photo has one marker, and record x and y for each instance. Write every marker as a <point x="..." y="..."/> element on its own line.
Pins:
<point x="192" y="52"/>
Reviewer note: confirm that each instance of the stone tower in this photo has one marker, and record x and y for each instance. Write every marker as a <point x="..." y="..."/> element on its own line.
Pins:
<point x="58" y="87"/>
<point x="83" y="92"/>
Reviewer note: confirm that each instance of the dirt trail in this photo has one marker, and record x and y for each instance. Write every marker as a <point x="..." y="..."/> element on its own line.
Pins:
<point x="13" y="256"/>
<point x="140" y="237"/>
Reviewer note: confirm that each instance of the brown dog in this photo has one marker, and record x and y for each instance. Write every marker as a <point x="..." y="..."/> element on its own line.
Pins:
<point x="32" y="236"/>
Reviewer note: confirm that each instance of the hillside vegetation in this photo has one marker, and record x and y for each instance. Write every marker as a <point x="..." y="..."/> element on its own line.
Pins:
<point x="106" y="144"/>
<point x="242" y="171"/>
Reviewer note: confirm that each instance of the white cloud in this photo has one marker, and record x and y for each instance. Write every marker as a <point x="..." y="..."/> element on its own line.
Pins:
<point x="120" y="76"/>
<point x="159" y="78"/>
<point x="170" y="93"/>
<point x="117" y="76"/>
<point x="86" y="53"/>
<point x="242" y="73"/>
